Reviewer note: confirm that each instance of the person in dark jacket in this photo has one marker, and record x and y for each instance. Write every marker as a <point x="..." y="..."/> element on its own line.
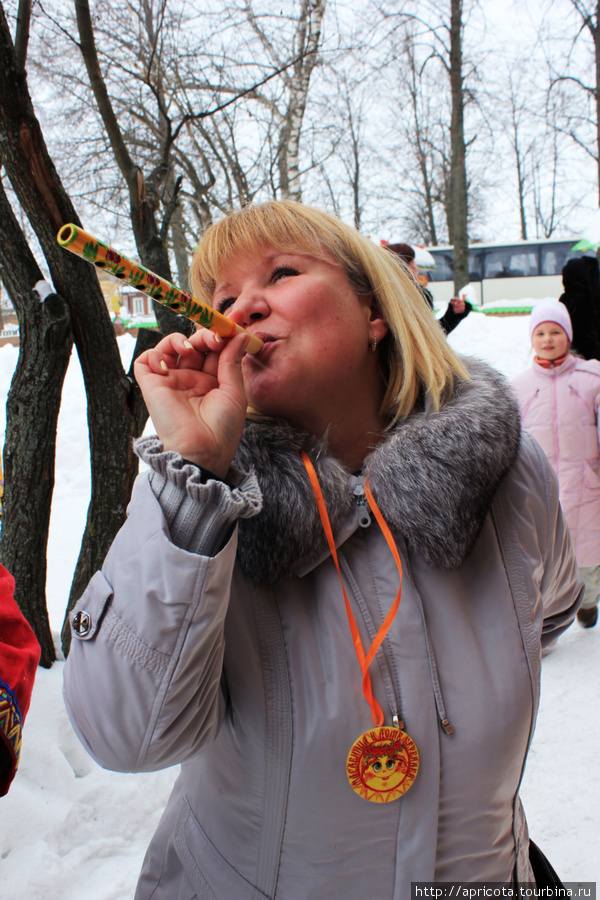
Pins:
<point x="458" y="309"/>
<point x="581" y="280"/>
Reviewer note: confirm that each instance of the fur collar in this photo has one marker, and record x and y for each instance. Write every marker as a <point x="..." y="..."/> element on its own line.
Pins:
<point x="433" y="476"/>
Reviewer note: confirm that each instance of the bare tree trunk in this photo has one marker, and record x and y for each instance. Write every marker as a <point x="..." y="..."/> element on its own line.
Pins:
<point x="304" y="50"/>
<point x="111" y="400"/>
<point x="180" y="249"/>
<point x="520" y="180"/>
<point x="32" y="411"/>
<point x="426" y="181"/>
<point x="457" y="220"/>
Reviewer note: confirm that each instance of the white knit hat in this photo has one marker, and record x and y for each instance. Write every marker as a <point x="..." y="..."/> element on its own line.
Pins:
<point x="551" y="311"/>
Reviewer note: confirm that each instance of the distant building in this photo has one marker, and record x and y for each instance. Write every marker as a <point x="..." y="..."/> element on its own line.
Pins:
<point x="120" y="296"/>
<point x="136" y="302"/>
<point x="9" y="323"/>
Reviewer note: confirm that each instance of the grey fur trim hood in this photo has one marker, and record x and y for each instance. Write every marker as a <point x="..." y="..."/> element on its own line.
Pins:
<point x="433" y="476"/>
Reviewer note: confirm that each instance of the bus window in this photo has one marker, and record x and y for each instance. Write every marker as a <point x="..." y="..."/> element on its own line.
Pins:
<point x="496" y="264"/>
<point x="524" y="263"/>
<point x="554" y="257"/>
<point x="510" y="262"/>
<point x="444" y="270"/>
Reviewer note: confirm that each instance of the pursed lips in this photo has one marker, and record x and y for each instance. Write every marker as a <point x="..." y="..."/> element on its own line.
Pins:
<point x="267" y="339"/>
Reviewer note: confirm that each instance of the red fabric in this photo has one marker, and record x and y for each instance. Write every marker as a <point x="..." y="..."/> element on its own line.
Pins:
<point x="19" y="658"/>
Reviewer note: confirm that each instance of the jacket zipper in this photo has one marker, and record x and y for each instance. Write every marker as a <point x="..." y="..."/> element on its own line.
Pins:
<point x="362" y="507"/>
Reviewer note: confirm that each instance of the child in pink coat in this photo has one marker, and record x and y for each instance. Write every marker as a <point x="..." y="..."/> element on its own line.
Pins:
<point x="559" y="398"/>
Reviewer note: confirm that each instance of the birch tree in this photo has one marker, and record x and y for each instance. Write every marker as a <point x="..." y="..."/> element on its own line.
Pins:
<point x="305" y="25"/>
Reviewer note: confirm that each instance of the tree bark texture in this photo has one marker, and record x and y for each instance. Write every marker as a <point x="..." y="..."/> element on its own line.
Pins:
<point x="109" y="391"/>
<point x="308" y="39"/>
<point x="457" y="220"/>
<point x="32" y="411"/>
<point x="143" y="201"/>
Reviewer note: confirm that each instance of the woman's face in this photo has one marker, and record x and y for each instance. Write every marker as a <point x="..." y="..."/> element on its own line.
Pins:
<point x="550" y="341"/>
<point x="318" y="333"/>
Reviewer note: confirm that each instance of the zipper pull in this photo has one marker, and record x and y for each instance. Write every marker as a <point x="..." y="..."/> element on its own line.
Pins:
<point x="364" y="514"/>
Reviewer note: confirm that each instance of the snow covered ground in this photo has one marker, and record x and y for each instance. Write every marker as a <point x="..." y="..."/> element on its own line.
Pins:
<point x="72" y="831"/>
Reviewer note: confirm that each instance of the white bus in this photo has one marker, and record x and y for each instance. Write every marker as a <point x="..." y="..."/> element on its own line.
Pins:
<point x="528" y="269"/>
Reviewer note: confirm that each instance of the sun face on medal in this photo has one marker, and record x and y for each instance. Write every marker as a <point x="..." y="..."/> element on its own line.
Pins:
<point x="382" y="764"/>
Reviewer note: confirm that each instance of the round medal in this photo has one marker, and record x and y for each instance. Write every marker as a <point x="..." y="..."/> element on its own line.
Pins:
<point x="382" y="764"/>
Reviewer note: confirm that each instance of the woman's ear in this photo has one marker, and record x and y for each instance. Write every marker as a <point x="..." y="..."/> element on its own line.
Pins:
<point x="379" y="327"/>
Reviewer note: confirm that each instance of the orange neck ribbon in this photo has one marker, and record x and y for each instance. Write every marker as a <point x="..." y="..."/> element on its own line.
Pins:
<point x="364" y="659"/>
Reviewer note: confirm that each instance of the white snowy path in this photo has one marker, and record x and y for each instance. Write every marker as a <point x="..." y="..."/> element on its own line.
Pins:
<point x="72" y="831"/>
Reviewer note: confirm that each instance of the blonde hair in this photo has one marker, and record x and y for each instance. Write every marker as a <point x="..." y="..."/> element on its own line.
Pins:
<point x="415" y="357"/>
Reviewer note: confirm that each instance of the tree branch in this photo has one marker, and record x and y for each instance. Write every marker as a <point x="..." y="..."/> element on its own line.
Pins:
<point x="22" y="36"/>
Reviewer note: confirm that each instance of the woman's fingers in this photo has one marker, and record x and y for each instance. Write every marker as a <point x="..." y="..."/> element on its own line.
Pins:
<point x="203" y="352"/>
<point x="176" y="351"/>
<point x="229" y="365"/>
<point x="195" y="394"/>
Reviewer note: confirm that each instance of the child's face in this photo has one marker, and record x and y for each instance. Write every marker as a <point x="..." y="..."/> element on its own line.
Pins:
<point x="550" y="341"/>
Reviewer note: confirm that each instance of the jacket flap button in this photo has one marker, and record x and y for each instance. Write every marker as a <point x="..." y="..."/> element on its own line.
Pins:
<point x="82" y="623"/>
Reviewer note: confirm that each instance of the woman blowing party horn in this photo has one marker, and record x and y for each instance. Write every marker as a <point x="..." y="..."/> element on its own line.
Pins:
<point x="329" y="600"/>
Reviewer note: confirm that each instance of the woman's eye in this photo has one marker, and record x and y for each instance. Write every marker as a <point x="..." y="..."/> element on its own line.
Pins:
<point x="224" y="304"/>
<point x="390" y="764"/>
<point x="283" y="272"/>
<point x="377" y="767"/>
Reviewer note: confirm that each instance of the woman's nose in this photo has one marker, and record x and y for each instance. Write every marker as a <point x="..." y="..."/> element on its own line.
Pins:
<point x="248" y="308"/>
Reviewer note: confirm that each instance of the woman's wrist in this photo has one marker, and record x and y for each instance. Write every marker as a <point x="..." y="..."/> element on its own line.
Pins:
<point x="206" y="474"/>
<point x="199" y="507"/>
<point x="217" y="466"/>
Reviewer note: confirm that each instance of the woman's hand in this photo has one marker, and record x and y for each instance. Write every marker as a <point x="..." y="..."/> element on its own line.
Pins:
<point x="194" y="392"/>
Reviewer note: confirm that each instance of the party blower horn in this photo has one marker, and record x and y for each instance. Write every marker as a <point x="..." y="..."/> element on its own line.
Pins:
<point x="78" y="241"/>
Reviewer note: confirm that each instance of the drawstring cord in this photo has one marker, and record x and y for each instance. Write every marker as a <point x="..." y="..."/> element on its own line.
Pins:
<point x="364" y="659"/>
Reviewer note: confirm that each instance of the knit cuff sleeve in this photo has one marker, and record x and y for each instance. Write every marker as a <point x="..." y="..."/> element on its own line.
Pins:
<point x="200" y="509"/>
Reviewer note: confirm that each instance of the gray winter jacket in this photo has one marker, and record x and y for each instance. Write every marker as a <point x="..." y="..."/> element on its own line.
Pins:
<point x="237" y="661"/>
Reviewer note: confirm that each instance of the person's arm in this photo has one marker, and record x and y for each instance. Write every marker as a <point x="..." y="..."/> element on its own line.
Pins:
<point x="561" y="585"/>
<point x="19" y="658"/>
<point x="585" y="319"/>
<point x="455" y="313"/>
<point x="143" y="677"/>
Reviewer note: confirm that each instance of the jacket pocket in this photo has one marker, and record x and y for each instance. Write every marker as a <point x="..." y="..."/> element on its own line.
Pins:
<point x="528" y="404"/>
<point x="89" y="611"/>
<point x="584" y="403"/>
<point x="212" y="877"/>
